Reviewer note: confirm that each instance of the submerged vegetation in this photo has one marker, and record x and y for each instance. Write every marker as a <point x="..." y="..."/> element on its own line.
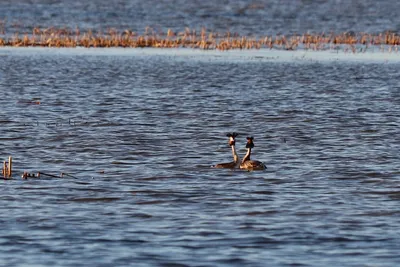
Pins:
<point x="203" y="39"/>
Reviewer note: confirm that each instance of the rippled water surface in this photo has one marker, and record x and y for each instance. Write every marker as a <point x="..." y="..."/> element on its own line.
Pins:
<point x="243" y="17"/>
<point x="138" y="133"/>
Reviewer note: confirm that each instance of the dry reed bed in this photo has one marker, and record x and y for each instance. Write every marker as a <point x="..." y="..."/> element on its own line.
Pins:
<point x="63" y="37"/>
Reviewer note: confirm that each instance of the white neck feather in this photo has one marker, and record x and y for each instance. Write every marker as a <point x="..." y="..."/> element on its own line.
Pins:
<point x="247" y="156"/>
<point x="235" y="155"/>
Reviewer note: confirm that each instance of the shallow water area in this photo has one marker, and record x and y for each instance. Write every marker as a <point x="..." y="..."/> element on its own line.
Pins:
<point x="138" y="129"/>
<point x="372" y="55"/>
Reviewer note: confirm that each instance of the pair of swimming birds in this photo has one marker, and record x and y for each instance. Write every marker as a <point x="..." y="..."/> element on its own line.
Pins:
<point x="246" y="163"/>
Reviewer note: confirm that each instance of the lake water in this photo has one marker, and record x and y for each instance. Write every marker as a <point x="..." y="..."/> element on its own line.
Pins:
<point x="136" y="130"/>
<point x="263" y="17"/>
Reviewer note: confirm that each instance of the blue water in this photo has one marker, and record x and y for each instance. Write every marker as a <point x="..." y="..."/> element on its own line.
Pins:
<point x="137" y="135"/>
<point x="264" y="17"/>
<point x="135" y="132"/>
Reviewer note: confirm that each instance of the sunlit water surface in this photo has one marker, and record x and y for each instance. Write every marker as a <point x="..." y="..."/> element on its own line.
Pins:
<point x="137" y="133"/>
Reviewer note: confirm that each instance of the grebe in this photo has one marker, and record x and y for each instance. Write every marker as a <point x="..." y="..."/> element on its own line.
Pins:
<point x="236" y="160"/>
<point x="251" y="164"/>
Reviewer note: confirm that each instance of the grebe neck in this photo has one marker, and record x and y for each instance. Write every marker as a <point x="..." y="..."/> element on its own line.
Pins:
<point x="236" y="158"/>
<point x="247" y="156"/>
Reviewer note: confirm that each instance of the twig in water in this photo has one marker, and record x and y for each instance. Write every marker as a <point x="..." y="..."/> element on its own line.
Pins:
<point x="49" y="175"/>
<point x="69" y="175"/>
<point x="27" y="175"/>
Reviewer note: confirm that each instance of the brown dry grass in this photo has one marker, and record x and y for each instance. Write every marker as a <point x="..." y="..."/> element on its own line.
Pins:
<point x="64" y="37"/>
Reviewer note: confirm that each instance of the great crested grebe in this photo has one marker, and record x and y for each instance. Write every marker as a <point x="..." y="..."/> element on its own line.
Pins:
<point x="249" y="164"/>
<point x="236" y="160"/>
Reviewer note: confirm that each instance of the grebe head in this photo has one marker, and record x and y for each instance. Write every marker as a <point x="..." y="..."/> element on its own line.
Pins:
<point x="232" y="137"/>
<point x="250" y="143"/>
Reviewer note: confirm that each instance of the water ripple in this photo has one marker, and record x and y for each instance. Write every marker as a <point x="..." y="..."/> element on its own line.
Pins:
<point x="135" y="137"/>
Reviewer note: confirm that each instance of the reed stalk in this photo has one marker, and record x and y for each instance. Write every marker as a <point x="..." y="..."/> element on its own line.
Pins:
<point x="7" y="168"/>
<point x="203" y="39"/>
